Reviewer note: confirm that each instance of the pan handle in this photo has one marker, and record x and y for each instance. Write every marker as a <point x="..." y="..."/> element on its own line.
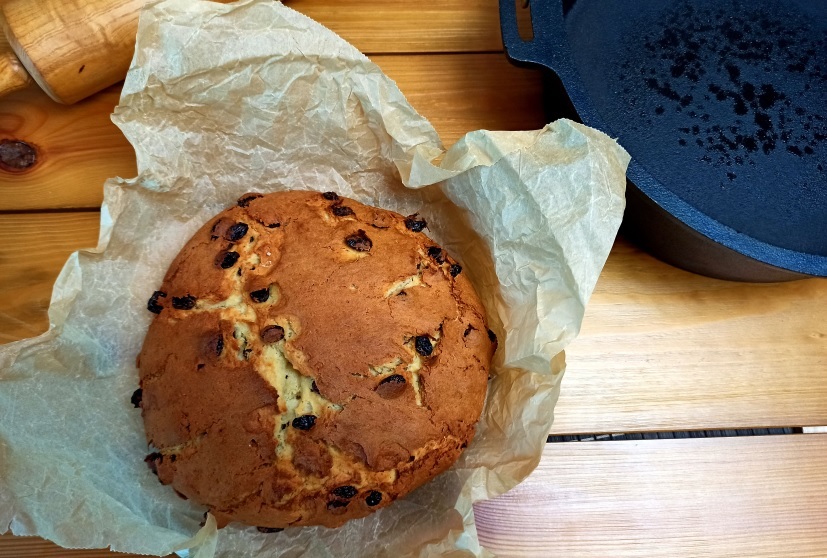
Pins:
<point x="548" y="31"/>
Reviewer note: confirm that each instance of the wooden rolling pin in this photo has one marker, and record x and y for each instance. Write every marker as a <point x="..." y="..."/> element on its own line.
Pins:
<point x="70" y="48"/>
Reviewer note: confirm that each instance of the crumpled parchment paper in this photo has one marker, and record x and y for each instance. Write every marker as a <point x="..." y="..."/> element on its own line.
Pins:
<point x="225" y="99"/>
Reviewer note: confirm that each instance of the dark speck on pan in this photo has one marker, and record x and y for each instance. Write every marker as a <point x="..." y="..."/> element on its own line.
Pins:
<point x="707" y="56"/>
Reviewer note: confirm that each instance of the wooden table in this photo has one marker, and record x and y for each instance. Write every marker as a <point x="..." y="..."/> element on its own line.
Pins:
<point x="661" y="350"/>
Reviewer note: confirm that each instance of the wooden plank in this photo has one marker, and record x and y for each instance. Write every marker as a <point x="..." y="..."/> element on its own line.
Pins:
<point x="664" y="349"/>
<point x="79" y="147"/>
<point x="35" y="249"/>
<point x="715" y="497"/>
<point x="711" y="497"/>
<point x="661" y="349"/>
<point x="417" y="27"/>
<point x="460" y="93"/>
<point x="424" y="26"/>
<point x="35" y="547"/>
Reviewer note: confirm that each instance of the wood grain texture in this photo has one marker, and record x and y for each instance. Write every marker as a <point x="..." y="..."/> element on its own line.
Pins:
<point x="713" y="497"/>
<point x="13" y="76"/>
<point x="661" y="349"/>
<point x="30" y="265"/>
<point x="664" y="349"/>
<point x="79" y="147"/>
<point x="402" y="26"/>
<point x="463" y="93"/>
<point x="35" y="547"/>
<point x="72" y="48"/>
<point x="90" y="60"/>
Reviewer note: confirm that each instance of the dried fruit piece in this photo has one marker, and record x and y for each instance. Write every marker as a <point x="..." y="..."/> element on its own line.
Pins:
<point x="236" y="232"/>
<point x="423" y="345"/>
<point x="261" y="295"/>
<point x="152" y="305"/>
<point x="341" y="210"/>
<point x="214" y="344"/>
<point x="436" y="253"/>
<point x="493" y="337"/>
<point x="272" y="334"/>
<point x="152" y="460"/>
<point x="415" y="223"/>
<point x="359" y="241"/>
<point x="183" y="302"/>
<point x="455" y="270"/>
<point x="137" y="397"/>
<point x="391" y="387"/>
<point x="347" y="492"/>
<point x="245" y="200"/>
<point x="226" y="260"/>
<point x="374" y="498"/>
<point x="330" y="196"/>
<point x="219" y="229"/>
<point x="304" y="422"/>
<point x="337" y="504"/>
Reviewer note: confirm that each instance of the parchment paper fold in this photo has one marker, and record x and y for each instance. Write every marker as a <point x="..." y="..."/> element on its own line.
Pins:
<point x="225" y="99"/>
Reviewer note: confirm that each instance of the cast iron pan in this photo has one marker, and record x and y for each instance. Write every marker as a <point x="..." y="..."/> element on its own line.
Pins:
<point x="723" y="107"/>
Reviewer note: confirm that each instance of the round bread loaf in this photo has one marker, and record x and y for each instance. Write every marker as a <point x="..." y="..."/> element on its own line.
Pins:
<point x="312" y="360"/>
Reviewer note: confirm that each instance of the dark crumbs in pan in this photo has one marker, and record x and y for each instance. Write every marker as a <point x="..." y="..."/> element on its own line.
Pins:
<point x="312" y="359"/>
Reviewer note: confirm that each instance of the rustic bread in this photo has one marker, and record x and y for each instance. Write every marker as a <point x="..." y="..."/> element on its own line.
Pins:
<point x="312" y="360"/>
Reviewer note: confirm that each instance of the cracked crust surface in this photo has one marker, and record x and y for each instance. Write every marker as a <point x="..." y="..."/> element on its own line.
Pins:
<point x="312" y="360"/>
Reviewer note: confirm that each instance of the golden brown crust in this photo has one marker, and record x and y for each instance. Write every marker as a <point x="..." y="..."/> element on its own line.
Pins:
<point x="313" y="359"/>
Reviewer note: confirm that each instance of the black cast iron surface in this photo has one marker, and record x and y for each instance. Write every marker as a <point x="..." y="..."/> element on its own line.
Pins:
<point x="722" y="105"/>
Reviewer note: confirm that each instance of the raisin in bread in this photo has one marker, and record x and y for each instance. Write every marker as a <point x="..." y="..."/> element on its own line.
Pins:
<point x="312" y="360"/>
